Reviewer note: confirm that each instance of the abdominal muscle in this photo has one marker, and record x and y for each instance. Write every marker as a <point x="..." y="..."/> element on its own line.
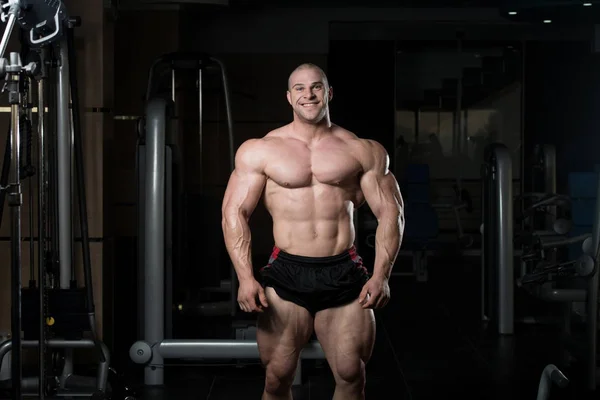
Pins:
<point x="315" y="221"/>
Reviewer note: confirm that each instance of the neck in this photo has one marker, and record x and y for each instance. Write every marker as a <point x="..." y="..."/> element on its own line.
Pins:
<point x="310" y="130"/>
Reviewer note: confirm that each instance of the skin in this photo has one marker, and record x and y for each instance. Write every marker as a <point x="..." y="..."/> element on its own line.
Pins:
<point x="312" y="175"/>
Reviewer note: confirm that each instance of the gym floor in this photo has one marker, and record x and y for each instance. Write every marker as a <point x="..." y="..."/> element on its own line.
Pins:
<point x="429" y="345"/>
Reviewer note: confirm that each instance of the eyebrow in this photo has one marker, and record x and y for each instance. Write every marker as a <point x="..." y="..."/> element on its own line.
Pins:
<point x="314" y="83"/>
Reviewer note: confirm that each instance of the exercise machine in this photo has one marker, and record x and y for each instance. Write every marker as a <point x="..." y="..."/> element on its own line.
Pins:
<point x="497" y="250"/>
<point x="554" y="275"/>
<point x="53" y="313"/>
<point x="167" y="73"/>
<point x="541" y="275"/>
<point x="550" y="375"/>
<point x="155" y="266"/>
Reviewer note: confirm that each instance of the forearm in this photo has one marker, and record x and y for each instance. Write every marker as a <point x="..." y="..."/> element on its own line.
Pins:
<point x="388" y="238"/>
<point x="236" y="232"/>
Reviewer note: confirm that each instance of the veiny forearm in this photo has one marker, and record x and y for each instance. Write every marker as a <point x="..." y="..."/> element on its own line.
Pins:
<point x="236" y="232"/>
<point x="388" y="238"/>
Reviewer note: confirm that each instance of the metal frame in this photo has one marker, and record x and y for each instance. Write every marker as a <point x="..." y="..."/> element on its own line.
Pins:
<point x="497" y="248"/>
<point x="64" y="156"/>
<point x="67" y="158"/>
<point x="103" y="366"/>
<point x="550" y="375"/>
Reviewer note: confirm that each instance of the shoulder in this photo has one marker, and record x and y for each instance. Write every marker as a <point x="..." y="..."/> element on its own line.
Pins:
<point x="372" y="148"/>
<point x="370" y="153"/>
<point x="251" y="154"/>
<point x="360" y="144"/>
<point x="250" y="147"/>
<point x="254" y="152"/>
<point x="367" y="151"/>
<point x="373" y="156"/>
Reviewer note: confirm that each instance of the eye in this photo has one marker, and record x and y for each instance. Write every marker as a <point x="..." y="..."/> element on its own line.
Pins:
<point x="299" y="89"/>
<point x="318" y="87"/>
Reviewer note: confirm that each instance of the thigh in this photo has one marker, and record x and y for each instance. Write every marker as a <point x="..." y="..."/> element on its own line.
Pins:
<point x="347" y="335"/>
<point x="283" y="331"/>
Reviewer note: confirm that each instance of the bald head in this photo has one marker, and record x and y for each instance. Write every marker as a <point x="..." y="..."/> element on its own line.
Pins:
<point x="309" y="94"/>
<point x="306" y="66"/>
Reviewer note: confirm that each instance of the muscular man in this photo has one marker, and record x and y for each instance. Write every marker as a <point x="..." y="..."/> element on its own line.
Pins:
<point x="313" y="175"/>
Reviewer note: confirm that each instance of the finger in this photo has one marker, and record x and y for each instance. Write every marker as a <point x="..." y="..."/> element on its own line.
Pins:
<point x="242" y="306"/>
<point x="257" y="303"/>
<point x="263" y="297"/>
<point x="371" y="300"/>
<point x="363" y="295"/>
<point x="253" y="306"/>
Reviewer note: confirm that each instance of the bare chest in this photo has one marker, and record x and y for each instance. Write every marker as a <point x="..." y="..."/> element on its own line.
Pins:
<point x="296" y="167"/>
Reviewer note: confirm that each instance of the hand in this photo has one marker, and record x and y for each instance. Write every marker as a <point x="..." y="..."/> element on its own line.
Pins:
<point x="251" y="296"/>
<point x="375" y="293"/>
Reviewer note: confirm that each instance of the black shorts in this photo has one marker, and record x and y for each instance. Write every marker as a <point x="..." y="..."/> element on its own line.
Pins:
<point x="315" y="283"/>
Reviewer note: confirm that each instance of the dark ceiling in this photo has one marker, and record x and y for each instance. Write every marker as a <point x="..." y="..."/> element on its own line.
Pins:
<point x="371" y="3"/>
<point x="569" y="11"/>
<point x="413" y="3"/>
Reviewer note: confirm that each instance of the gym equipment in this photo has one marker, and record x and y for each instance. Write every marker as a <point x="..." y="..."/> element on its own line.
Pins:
<point x="497" y="286"/>
<point x="558" y="263"/>
<point x="542" y="276"/>
<point x="162" y="84"/>
<point x="554" y="281"/>
<point x="52" y="313"/>
<point x="550" y="375"/>
<point x="155" y="265"/>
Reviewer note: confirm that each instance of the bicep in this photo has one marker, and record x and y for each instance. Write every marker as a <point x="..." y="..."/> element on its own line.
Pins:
<point x="378" y="183"/>
<point x="243" y="192"/>
<point x="382" y="193"/>
<point x="246" y="182"/>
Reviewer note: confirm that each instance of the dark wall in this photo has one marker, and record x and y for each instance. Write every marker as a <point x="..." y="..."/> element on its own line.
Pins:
<point x="362" y="76"/>
<point x="562" y="103"/>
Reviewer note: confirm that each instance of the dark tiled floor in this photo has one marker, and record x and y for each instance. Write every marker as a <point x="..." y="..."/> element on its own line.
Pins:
<point x="430" y="345"/>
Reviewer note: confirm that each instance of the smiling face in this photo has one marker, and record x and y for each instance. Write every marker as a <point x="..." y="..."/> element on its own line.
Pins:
<point x="309" y="94"/>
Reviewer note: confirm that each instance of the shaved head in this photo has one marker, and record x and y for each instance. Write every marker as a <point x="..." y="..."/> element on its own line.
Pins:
<point x="309" y="94"/>
<point x="308" y="66"/>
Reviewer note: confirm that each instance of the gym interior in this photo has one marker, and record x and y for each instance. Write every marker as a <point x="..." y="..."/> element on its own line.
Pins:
<point x="122" y="118"/>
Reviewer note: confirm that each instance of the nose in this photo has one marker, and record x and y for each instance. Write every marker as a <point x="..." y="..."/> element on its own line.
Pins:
<point x="310" y="94"/>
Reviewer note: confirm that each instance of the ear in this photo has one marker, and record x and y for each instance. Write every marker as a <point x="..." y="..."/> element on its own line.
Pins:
<point x="289" y="97"/>
<point x="330" y="93"/>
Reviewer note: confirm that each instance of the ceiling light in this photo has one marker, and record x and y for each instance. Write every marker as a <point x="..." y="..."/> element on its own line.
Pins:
<point x="547" y="21"/>
<point x="587" y="4"/>
<point x="512" y="13"/>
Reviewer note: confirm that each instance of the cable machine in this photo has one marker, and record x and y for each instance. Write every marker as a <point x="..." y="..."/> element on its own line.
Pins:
<point x="53" y="312"/>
